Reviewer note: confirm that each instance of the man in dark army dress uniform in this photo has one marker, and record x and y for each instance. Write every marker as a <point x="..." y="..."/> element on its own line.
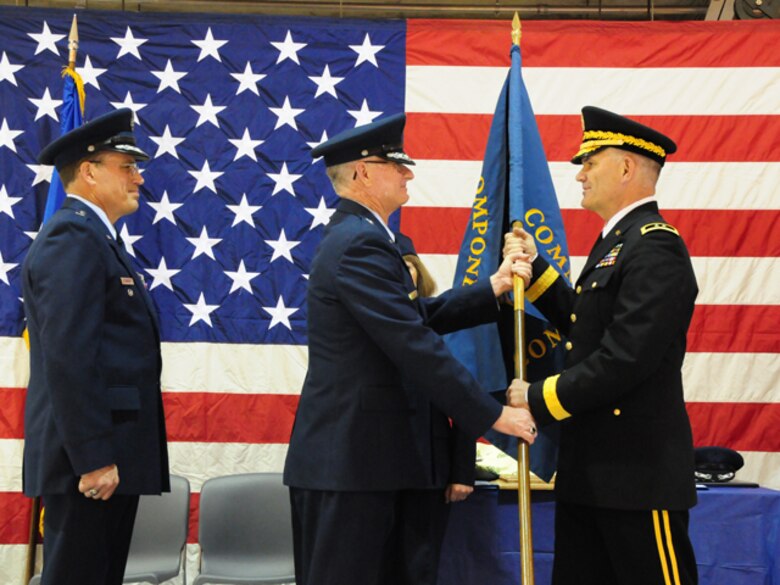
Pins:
<point x="370" y="451"/>
<point x="625" y="477"/>
<point x="94" y="426"/>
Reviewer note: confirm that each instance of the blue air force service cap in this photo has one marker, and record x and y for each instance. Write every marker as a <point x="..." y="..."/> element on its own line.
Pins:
<point x="716" y="464"/>
<point x="602" y="129"/>
<point x="110" y="132"/>
<point x="383" y="138"/>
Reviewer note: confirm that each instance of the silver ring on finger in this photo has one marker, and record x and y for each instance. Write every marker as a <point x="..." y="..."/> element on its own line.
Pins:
<point x="92" y="493"/>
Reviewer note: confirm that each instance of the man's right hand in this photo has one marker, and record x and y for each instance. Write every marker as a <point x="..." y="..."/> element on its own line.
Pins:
<point x="519" y="240"/>
<point x="100" y="483"/>
<point x="517" y="422"/>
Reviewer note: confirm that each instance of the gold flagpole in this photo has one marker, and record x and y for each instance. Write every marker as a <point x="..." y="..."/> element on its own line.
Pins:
<point x="35" y="515"/>
<point x="73" y="43"/>
<point x="523" y="457"/>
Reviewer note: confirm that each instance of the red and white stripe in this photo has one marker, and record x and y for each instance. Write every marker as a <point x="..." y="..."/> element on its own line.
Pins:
<point x="714" y="87"/>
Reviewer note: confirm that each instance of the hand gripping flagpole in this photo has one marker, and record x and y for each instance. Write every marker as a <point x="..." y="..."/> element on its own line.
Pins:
<point x="523" y="455"/>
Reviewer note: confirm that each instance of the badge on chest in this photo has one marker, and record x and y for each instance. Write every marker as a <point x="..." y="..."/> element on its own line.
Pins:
<point x="611" y="257"/>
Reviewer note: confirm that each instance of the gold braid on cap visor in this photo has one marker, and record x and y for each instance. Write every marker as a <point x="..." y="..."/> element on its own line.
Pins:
<point x="593" y="139"/>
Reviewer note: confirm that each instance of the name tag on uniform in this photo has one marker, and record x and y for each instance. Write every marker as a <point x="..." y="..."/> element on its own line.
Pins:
<point x="412" y="295"/>
<point x="127" y="280"/>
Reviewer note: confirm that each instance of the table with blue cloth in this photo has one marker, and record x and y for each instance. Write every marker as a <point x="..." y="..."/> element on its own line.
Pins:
<point x="735" y="532"/>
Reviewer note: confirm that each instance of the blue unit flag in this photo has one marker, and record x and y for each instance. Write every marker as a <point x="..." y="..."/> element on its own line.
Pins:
<point x="515" y="185"/>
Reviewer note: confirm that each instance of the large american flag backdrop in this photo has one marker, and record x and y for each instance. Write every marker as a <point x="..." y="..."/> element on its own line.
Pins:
<point x="233" y="205"/>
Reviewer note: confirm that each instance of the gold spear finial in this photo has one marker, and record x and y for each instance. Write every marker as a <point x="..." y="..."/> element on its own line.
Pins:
<point x="516" y="30"/>
<point x="73" y="43"/>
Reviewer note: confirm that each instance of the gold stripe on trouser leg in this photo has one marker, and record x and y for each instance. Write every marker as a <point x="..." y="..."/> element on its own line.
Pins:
<point x="659" y="541"/>
<point x="670" y="546"/>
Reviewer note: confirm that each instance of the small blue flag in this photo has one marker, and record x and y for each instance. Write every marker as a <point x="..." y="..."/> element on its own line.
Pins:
<point x="71" y="116"/>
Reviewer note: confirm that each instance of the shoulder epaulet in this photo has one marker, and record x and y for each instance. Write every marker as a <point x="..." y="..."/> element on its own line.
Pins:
<point x="657" y="225"/>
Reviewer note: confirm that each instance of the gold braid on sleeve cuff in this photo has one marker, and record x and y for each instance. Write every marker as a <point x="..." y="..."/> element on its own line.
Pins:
<point x="542" y="284"/>
<point x="550" y="395"/>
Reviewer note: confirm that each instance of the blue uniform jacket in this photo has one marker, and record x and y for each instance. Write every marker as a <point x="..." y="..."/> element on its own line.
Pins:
<point x="381" y="382"/>
<point x="94" y="393"/>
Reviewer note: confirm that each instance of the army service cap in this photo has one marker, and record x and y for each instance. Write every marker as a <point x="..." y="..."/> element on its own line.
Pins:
<point x="603" y="129"/>
<point x="383" y="138"/>
<point x="111" y="132"/>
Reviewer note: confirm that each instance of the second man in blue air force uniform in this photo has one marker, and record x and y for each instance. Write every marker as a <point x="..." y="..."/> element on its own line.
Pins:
<point x="94" y="425"/>
<point x="625" y="476"/>
<point x="370" y="449"/>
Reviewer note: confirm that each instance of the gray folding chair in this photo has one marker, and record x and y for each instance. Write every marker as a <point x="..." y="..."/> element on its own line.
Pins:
<point x="160" y="536"/>
<point x="245" y="530"/>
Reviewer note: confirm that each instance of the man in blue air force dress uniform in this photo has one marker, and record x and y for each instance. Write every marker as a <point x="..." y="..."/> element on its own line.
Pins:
<point x="369" y="455"/>
<point x="625" y="477"/>
<point x="94" y="424"/>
